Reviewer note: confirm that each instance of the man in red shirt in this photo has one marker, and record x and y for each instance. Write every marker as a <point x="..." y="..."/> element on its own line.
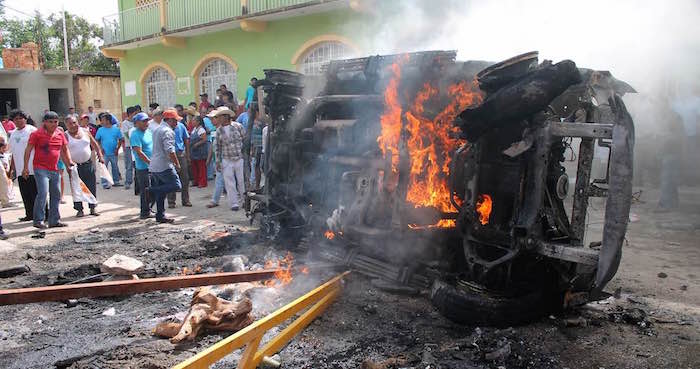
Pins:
<point x="48" y="143"/>
<point x="205" y="104"/>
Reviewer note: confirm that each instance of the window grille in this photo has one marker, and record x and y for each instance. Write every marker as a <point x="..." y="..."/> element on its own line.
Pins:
<point x="321" y="54"/>
<point x="160" y="88"/>
<point x="215" y="73"/>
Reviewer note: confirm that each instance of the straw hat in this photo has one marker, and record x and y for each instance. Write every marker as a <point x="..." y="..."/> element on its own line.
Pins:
<point x="191" y="111"/>
<point x="223" y="111"/>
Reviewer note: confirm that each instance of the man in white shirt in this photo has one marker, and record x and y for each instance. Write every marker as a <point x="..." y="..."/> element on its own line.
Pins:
<point x="92" y="116"/>
<point x="18" y="143"/>
<point x="154" y="123"/>
<point x="125" y="127"/>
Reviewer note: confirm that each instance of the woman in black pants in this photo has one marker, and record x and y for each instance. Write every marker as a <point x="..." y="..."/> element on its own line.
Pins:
<point x="81" y="145"/>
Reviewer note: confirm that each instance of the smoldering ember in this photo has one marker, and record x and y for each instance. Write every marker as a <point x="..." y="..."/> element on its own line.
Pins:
<point x="405" y="210"/>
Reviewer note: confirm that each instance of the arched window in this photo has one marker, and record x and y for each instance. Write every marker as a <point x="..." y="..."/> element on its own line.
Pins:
<point x="159" y="87"/>
<point x="215" y="73"/>
<point x="322" y="53"/>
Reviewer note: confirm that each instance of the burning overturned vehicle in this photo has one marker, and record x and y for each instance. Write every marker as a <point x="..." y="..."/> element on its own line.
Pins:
<point x="426" y="172"/>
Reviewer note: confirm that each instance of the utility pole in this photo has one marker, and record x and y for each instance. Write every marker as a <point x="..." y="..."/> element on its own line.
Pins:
<point x="65" y="39"/>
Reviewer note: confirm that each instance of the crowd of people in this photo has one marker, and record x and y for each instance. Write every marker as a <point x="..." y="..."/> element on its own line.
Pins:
<point x="164" y="151"/>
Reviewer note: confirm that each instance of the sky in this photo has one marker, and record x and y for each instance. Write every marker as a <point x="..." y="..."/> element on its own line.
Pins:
<point x="92" y="10"/>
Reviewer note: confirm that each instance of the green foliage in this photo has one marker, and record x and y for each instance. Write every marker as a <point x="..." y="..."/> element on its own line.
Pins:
<point x="82" y="37"/>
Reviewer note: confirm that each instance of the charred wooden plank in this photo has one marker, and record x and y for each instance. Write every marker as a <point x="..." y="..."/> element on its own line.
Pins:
<point x="127" y="287"/>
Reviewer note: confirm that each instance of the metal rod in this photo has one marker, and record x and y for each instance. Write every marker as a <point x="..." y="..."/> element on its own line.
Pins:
<point x="126" y="287"/>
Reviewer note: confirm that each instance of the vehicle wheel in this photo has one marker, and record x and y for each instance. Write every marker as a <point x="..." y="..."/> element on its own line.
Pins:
<point x="469" y="304"/>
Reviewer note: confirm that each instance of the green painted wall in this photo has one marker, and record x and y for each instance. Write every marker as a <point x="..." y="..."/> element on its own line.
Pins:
<point x="253" y="52"/>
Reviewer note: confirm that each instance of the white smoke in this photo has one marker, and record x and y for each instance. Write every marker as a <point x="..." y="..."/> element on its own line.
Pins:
<point x="646" y="43"/>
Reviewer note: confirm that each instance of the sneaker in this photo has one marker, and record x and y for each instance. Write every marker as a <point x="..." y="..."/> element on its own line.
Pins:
<point x="172" y="206"/>
<point x="80" y="214"/>
<point x="39" y="225"/>
<point x="149" y="216"/>
<point x="58" y="225"/>
<point x="25" y="219"/>
<point x="3" y="235"/>
<point x="166" y="220"/>
<point x="187" y="204"/>
<point x="212" y="205"/>
<point x="117" y="184"/>
<point x="94" y="213"/>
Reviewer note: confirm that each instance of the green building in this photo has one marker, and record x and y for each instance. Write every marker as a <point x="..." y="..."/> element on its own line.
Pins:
<point x="170" y="51"/>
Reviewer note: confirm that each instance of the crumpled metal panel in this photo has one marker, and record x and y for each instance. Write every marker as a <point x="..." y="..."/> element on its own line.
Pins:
<point x="619" y="199"/>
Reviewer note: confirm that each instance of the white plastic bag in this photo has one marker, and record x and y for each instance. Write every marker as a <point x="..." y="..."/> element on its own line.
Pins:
<point x="103" y="173"/>
<point x="80" y="191"/>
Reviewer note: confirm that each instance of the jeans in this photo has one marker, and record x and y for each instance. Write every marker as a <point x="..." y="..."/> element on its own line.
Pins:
<point x="47" y="183"/>
<point x="111" y="160"/>
<point x="86" y="172"/>
<point x="184" y="175"/>
<point x="211" y="170"/>
<point x="218" y="188"/>
<point x="128" y="167"/>
<point x="143" y="183"/>
<point x="163" y="183"/>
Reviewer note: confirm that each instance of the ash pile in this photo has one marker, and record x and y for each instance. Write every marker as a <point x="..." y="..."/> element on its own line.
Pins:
<point x="432" y="173"/>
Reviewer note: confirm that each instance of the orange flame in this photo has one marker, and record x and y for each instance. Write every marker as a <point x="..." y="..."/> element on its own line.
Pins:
<point x="187" y="271"/>
<point x="329" y="234"/>
<point x="430" y="142"/>
<point x="391" y="119"/>
<point x="483" y="206"/>
<point x="283" y="276"/>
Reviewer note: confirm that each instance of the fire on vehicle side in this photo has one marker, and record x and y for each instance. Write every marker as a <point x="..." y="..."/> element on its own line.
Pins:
<point x="433" y="173"/>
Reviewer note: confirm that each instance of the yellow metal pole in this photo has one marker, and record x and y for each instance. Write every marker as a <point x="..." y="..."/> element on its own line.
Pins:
<point x="248" y="358"/>
<point x="224" y="347"/>
<point x="277" y="343"/>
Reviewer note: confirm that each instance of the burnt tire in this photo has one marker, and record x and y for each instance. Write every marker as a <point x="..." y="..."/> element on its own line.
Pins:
<point x="478" y="307"/>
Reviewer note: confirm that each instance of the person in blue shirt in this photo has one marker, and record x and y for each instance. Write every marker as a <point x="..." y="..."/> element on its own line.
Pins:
<point x="142" y="146"/>
<point x="182" y="150"/>
<point x="250" y="92"/>
<point x="211" y="131"/>
<point x="110" y="138"/>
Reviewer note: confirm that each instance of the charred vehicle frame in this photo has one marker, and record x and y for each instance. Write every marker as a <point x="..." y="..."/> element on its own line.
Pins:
<point x="503" y="249"/>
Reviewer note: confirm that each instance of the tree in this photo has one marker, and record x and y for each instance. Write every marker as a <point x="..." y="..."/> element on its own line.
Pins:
<point x="82" y="37"/>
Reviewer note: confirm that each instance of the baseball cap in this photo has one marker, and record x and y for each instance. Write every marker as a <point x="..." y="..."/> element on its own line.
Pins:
<point x="84" y="116"/>
<point x="140" y="116"/>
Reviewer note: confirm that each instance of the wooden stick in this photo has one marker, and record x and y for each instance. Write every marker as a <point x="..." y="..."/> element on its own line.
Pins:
<point x="126" y="287"/>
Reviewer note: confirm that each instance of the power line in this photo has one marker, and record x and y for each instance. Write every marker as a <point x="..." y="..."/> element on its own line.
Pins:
<point x="18" y="11"/>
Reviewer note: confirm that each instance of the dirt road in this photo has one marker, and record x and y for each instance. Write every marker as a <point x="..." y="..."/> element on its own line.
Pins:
<point x="652" y="324"/>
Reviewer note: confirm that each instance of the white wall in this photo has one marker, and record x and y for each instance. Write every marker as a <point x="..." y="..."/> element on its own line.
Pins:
<point x="33" y="89"/>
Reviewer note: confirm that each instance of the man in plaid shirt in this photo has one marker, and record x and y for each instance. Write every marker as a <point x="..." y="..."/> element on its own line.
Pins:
<point x="229" y="155"/>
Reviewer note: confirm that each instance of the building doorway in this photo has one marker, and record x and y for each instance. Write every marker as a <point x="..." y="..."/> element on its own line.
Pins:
<point x="58" y="100"/>
<point x="8" y="100"/>
<point x="215" y="73"/>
